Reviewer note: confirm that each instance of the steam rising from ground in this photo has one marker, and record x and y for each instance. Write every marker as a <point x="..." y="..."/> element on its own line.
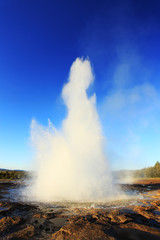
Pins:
<point x="71" y="163"/>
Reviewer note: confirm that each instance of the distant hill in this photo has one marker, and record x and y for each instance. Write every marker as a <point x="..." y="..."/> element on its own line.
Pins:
<point x="4" y="169"/>
<point x="129" y="175"/>
<point x="150" y="172"/>
<point x="13" y="174"/>
<point x="122" y="175"/>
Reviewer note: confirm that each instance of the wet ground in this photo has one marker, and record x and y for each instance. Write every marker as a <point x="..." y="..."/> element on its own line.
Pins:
<point x="135" y="218"/>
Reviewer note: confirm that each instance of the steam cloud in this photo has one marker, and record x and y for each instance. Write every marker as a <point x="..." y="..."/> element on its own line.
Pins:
<point x="71" y="163"/>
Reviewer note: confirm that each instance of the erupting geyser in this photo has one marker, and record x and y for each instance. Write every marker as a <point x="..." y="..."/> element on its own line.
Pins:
<point x="71" y="162"/>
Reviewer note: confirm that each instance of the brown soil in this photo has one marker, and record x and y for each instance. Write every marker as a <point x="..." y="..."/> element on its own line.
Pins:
<point x="141" y="220"/>
<point x="147" y="181"/>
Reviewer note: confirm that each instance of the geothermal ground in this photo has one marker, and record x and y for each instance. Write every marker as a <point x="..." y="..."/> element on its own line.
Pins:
<point x="137" y="218"/>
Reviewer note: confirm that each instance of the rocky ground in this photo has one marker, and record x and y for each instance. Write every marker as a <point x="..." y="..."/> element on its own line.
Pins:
<point x="139" y="220"/>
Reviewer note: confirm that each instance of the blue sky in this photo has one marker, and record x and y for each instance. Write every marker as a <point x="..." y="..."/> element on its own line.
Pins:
<point x="39" y="40"/>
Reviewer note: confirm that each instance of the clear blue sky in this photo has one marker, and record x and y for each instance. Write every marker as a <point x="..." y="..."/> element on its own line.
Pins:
<point x="39" y="40"/>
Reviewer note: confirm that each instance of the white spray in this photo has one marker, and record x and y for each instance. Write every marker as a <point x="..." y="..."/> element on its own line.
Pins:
<point x="71" y="162"/>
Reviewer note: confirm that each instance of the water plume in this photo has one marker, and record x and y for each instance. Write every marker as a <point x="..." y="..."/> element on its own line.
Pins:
<point x="71" y="162"/>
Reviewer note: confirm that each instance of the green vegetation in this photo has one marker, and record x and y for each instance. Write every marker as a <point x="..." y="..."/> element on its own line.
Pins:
<point x="150" y="172"/>
<point x="13" y="174"/>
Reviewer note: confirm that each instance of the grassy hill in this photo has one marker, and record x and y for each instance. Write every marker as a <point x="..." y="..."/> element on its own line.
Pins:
<point x="12" y="174"/>
<point x="128" y="175"/>
<point x="150" y="172"/>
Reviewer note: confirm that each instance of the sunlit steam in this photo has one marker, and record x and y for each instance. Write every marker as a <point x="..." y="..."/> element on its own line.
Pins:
<point x="71" y="162"/>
